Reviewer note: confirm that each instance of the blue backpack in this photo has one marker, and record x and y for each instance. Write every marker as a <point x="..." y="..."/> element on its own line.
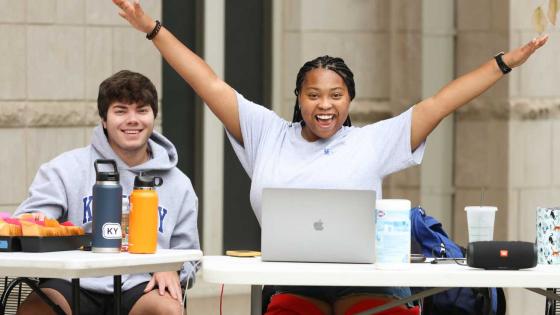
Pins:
<point x="429" y="235"/>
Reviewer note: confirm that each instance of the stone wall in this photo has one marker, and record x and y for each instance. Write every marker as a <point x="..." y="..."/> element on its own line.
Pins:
<point x="53" y="55"/>
<point x="507" y="140"/>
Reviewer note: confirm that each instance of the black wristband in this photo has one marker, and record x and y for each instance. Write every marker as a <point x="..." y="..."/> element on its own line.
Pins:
<point x="155" y="31"/>
<point x="501" y="64"/>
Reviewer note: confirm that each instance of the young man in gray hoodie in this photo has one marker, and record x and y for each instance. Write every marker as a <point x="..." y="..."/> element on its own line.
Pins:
<point x="62" y="189"/>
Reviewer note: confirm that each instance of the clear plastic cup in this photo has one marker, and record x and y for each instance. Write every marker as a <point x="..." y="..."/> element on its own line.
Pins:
<point x="481" y="223"/>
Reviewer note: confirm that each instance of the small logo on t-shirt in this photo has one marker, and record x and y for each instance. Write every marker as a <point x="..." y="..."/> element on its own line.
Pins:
<point x="318" y="225"/>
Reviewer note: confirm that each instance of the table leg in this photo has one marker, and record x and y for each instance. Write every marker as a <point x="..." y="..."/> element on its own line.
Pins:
<point x="117" y="294"/>
<point x="551" y="299"/>
<point x="76" y="296"/>
<point x="256" y="300"/>
<point x="548" y="294"/>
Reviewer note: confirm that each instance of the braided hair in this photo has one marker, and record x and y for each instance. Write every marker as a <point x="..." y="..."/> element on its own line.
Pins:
<point x="335" y="64"/>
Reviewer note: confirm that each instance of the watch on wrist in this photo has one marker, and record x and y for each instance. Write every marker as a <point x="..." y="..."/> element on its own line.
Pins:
<point x="501" y="64"/>
<point x="155" y="31"/>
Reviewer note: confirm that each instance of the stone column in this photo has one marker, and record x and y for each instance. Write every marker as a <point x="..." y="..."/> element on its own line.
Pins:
<point x="481" y="134"/>
<point x="438" y="57"/>
<point x="405" y="85"/>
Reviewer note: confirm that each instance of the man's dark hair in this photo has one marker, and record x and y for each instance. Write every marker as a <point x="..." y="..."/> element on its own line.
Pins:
<point x="127" y="87"/>
<point x="329" y="63"/>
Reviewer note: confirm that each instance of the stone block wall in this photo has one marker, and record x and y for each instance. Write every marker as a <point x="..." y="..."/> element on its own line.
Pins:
<point x="506" y="140"/>
<point x="53" y="55"/>
<point x="405" y="86"/>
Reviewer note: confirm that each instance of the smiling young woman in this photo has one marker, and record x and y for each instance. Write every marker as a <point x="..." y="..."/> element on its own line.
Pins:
<point x="324" y="102"/>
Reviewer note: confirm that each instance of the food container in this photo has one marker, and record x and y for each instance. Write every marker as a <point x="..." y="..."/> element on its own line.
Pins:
<point x="43" y="243"/>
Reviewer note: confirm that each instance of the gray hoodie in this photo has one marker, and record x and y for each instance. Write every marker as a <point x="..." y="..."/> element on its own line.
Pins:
<point x="62" y="189"/>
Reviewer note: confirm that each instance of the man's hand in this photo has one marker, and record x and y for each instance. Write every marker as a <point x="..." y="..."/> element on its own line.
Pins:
<point x="37" y="216"/>
<point x="166" y="280"/>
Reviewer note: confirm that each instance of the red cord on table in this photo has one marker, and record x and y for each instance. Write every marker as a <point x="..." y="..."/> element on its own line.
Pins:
<point x="221" y="298"/>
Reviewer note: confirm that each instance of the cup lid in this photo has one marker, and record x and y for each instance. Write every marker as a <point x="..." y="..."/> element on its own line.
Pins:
<point x="481" y="208"/>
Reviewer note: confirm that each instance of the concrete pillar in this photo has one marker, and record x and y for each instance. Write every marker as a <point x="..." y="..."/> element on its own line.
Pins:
<point x="438" y="57"/>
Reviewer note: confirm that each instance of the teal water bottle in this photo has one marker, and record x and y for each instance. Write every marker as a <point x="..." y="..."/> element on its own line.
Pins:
<point x="107" y="209"/>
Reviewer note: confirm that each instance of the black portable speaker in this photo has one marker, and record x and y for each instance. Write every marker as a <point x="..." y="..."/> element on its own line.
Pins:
<point x="502" y="255"/>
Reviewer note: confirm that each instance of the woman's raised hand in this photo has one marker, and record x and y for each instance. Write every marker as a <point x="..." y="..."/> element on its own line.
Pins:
<point x="134" y="14"/>
<point x="429" y="112"/>
<point x="518" y="56"/>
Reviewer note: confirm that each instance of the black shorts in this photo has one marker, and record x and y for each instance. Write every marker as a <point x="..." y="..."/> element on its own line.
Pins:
<point x="95" y="303"/>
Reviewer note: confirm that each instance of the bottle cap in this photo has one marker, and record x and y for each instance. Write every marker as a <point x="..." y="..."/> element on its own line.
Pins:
<point x="101" y="176"/>
<point x="147" y="181"/>
<point x="107" y="177"/>
<point x="393" y="204"/>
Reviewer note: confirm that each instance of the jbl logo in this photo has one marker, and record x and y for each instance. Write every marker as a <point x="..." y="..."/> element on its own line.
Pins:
<point x="112" y="231"/>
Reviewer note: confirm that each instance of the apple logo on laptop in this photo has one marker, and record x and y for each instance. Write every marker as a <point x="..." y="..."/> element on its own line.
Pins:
<point x="318" y="226"/>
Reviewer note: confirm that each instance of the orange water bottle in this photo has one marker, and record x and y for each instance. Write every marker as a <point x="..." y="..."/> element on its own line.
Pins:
<point x="143" y="218"/>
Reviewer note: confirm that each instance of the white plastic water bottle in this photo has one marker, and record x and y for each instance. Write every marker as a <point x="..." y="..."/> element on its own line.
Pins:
<point x="124" y="223"/>
<point x="392" y="232"/>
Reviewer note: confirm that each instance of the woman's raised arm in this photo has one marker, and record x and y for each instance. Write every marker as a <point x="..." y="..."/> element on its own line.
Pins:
<point x="216" y="93"/>
<point x="428" y="113"/>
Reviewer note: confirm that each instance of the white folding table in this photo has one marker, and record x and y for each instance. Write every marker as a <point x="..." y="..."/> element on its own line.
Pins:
<point x="78" y="264"/>
<point x="438" y="277"/>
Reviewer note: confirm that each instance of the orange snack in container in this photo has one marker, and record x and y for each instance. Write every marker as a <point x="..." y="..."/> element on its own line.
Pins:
<point x="29" y="228"/>
<point x="10" y="227"/>
<point x="32" y="225"/>
<point x="71" y="229"/>
<point x="4" y="228"/>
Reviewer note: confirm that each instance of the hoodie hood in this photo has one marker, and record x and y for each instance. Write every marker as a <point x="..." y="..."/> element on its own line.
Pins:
<point x="164" y="154"/>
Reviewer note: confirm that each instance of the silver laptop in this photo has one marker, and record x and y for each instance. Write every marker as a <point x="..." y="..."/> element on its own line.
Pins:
<point x="318" y="225"/>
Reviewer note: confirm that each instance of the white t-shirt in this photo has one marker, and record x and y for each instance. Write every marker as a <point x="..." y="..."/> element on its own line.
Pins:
<point x="274" y="153"/>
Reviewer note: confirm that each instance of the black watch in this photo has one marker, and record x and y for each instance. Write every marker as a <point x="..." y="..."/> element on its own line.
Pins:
<point x="501" y="64"/>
